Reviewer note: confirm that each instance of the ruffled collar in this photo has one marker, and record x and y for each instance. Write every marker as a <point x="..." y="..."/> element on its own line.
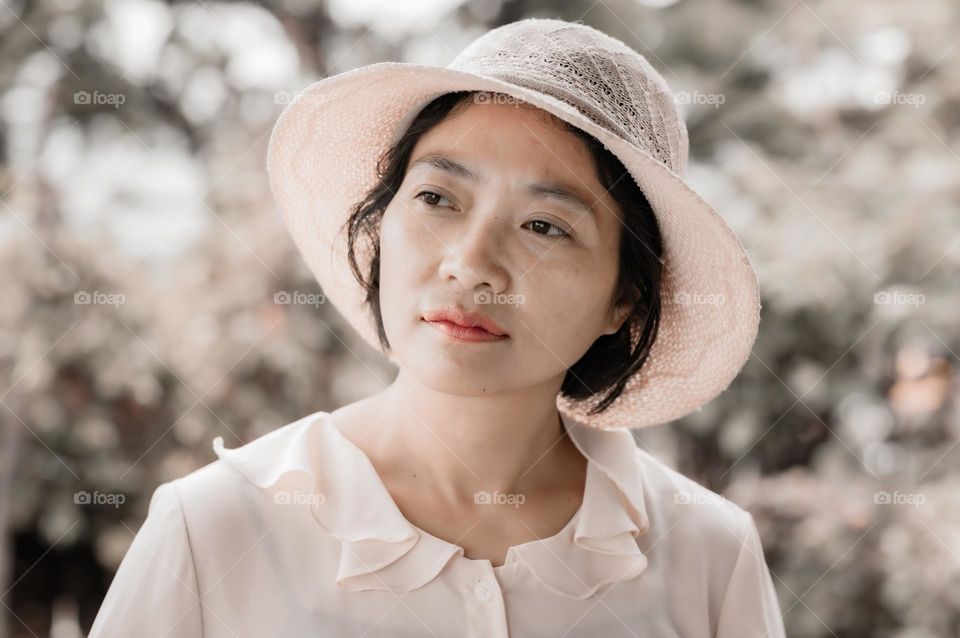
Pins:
<point x="381" y="549"/>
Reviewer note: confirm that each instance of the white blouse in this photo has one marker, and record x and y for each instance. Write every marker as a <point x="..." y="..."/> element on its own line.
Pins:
<point x="295" y="535"/>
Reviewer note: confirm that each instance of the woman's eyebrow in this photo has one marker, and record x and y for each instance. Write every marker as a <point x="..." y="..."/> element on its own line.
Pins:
<point x="446" y="165"/>
<point x="559" y="192"/>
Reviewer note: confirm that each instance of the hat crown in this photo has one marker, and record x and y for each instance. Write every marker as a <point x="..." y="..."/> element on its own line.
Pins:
<point x="601" y="77"/>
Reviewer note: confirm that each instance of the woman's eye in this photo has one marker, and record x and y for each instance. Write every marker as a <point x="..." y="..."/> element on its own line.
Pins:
<point x="540" y="226"/>
<point x="431" y="199"/>
<point x="543" y="225"/>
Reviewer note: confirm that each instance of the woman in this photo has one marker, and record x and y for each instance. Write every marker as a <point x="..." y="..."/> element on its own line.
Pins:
<point x="514" y="233"/>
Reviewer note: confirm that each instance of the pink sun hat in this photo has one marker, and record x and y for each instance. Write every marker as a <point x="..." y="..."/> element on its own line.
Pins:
<point x="324" y="149"/>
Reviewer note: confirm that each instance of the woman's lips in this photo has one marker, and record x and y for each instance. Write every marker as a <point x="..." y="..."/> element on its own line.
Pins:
<point x="464" y="333"/>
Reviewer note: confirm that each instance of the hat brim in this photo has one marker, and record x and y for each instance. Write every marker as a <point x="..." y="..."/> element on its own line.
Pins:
<point x="322" y="159"/>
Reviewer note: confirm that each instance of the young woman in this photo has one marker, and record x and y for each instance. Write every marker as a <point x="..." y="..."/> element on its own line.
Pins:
<point x="514" y="232"/>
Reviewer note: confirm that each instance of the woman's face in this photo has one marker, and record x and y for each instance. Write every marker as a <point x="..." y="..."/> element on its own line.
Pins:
<point x="468" y="228"/>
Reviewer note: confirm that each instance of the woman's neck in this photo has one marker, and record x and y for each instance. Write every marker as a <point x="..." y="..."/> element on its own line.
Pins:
<point x="459" y="447"/>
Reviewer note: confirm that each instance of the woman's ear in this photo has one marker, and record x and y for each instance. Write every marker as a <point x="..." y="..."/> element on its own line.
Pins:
<point x="619" y="314"/>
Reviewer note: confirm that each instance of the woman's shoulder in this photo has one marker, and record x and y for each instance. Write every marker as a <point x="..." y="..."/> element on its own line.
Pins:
<point x="690" y="510"/>
<point x="254" y="473"/>
<point x="707" y="538"/>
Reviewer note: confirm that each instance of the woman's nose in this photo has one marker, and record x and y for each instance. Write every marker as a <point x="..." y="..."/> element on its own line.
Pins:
<point x="474" y="258"/>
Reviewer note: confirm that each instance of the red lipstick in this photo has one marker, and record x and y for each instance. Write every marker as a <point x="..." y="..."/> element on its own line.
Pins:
<point x="465" y="326"/>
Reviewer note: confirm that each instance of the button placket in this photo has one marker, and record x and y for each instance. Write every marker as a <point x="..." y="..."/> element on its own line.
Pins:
<point x="483" y="590"/>
<point x="486" y="616"/>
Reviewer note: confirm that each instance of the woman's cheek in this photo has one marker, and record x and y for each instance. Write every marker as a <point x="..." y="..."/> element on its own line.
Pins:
<point x="398" y="239"/>
<point x="414" y="230"/>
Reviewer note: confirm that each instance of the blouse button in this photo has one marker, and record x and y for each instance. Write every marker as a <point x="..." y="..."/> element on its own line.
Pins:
<point x="483" y="590"/>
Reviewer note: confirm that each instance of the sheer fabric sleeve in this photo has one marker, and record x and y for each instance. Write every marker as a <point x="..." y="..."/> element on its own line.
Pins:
<point x="750" y="608"/>
<point x="155" y="590"/>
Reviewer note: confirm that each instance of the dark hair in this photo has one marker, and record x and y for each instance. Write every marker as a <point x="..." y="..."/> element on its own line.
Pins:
<point x="612" y="359"/>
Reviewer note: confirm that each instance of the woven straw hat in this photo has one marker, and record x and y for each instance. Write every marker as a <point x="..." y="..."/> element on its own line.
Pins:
<point x="324" y="149"/>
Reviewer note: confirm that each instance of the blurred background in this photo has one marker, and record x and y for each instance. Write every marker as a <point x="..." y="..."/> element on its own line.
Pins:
<point x="141" y="260"/>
